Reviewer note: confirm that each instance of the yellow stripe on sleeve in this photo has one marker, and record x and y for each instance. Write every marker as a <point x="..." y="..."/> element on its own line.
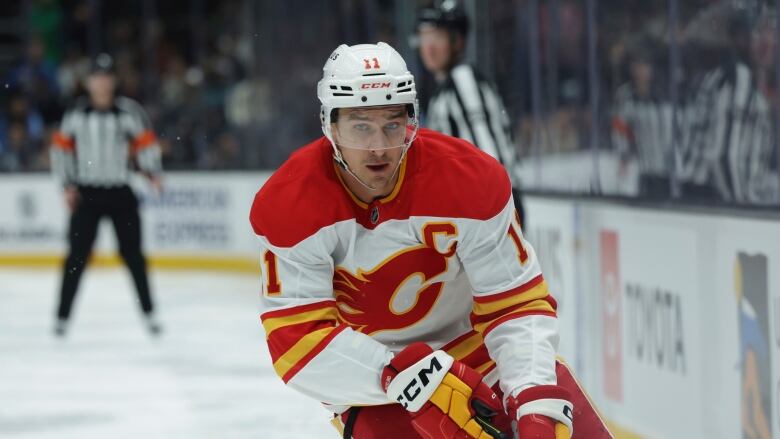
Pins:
<point x="275" y="323"/>
<point x="537" y="292"/>
<point x="299" y="350"/>
<point x="535" y="306"/>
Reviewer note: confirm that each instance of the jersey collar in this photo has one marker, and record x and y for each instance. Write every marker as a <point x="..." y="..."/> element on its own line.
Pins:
<point x="389" y="197"/>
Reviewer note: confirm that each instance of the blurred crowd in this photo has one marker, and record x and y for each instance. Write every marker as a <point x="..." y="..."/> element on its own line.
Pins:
<point x="200" y="99"/>
<point x="230" y="84"/>
<point x="693" y="106"/>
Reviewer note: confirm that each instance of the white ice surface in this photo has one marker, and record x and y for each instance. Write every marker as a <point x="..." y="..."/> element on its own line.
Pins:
<point x="208" y="376"/>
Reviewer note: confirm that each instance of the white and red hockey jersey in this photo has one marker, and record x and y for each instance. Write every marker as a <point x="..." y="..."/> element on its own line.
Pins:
<point x="440" y="260"/>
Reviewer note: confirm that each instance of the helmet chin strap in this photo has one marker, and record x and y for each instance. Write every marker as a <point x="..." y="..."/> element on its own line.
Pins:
<point x="343" y="163"/>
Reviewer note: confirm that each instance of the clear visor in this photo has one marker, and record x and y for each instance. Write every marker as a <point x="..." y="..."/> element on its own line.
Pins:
<point x="374" y="128"/>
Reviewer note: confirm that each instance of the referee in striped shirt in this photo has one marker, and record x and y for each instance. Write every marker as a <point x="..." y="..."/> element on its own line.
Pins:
<point x="726" y="136"/>
<point x="92" y="152"/>
<point x="464" y="104"/>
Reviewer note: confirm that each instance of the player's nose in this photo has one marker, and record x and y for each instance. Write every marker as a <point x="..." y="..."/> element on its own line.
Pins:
<point x="379" y="143"/>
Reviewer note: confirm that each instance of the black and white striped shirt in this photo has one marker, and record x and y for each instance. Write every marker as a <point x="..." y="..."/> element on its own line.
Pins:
<point x="642" y="128"/>
<point x="95" y="147"/>
<point x="467" y="106"/>
<point x="726" y="136"/>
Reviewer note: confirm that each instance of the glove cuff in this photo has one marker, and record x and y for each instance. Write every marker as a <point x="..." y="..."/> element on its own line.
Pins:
<point x="547" y="400"/>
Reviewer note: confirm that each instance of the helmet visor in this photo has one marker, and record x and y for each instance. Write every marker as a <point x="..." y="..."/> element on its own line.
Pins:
<point x="374" y="128"/>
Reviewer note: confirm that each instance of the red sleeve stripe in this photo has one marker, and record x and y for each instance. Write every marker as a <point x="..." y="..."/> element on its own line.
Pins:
<point x="513" y="292"/>
<point x="282" y="340"/>
<point x="305" y="359"/>
<point x="486" y="309"/>
<point x="539" y="306"/>
<point x="144" y="140"/>
<point x="63" y="142"/>
<point x="492" y="325"/>
<point x="477" y="319"/>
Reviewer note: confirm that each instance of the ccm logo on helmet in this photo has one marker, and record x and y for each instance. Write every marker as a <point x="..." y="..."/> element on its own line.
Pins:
<point x="376" y="85"/>
<point x="413" y="388"/>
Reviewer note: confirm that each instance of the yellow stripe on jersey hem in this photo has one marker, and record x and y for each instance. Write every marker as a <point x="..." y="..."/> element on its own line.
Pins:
<point x="300" y="350"/>
<point x="274" y="323"/>
<point x="537" y="292"/>
<point x="536" y="305"/>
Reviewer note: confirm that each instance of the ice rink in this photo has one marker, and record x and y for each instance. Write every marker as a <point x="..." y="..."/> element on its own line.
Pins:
<point x="208" y="376"/>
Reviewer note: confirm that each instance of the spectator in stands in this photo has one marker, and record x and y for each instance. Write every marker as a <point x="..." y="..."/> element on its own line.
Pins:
<point x="21" y="135"/>
<point x="45" y="19"/>
<point x="224" y="153"/>
<point x="37" y="78"/>
<point x="20" y="111"/>
<point x="17" y="151"/>
<point x="71" y="73"/>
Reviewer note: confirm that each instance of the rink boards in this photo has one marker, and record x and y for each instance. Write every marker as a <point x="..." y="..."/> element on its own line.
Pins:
<point x="672" y="320"/>
<point x="201" y="220"/>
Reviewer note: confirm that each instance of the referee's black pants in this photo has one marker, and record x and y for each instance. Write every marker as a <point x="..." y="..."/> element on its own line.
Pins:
<point x="121" y="205"/>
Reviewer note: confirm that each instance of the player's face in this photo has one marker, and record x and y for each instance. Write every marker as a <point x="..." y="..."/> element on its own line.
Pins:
<point x="372" y="141"/>
<point x="435" y="48"/>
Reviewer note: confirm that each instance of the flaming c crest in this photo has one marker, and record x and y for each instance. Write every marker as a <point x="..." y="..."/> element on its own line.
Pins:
<point x="366" y="299"/>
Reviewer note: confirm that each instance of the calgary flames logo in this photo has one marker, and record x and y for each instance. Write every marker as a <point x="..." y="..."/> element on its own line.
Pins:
<point x="383" y="299"/>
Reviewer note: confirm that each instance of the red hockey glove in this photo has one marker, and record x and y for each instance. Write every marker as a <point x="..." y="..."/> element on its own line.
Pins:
<point x="446" y="398"/>
<point x="542" y="412"/>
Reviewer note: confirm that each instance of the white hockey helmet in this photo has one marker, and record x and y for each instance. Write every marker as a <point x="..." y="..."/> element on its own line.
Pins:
<point x="366" y="75"/>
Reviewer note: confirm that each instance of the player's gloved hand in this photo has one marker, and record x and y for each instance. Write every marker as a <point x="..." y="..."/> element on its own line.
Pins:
<point x="542" y="412"/>
<point x="446" y="398"/>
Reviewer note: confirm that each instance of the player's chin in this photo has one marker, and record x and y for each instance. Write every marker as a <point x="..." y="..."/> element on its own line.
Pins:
<point x="377" y="182"/>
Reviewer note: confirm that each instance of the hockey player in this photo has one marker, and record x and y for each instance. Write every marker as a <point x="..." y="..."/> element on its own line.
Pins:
<point x="397" y="287"/>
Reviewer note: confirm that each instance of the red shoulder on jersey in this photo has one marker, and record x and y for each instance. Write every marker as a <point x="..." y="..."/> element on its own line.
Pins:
<point x="301" y="197"/>
<point x="453" y="178"/>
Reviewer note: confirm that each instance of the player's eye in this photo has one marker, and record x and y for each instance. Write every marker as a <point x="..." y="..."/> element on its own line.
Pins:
<point x="361" y="127"/>
<point x="392" y="126"/>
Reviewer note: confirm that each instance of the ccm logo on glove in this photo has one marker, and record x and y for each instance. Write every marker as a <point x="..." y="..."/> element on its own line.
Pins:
<point x="420" y="379"/>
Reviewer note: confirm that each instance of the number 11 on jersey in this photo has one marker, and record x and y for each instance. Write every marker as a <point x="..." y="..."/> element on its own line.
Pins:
<point x="522" y="253"/>
<point x="272" y="285"/>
